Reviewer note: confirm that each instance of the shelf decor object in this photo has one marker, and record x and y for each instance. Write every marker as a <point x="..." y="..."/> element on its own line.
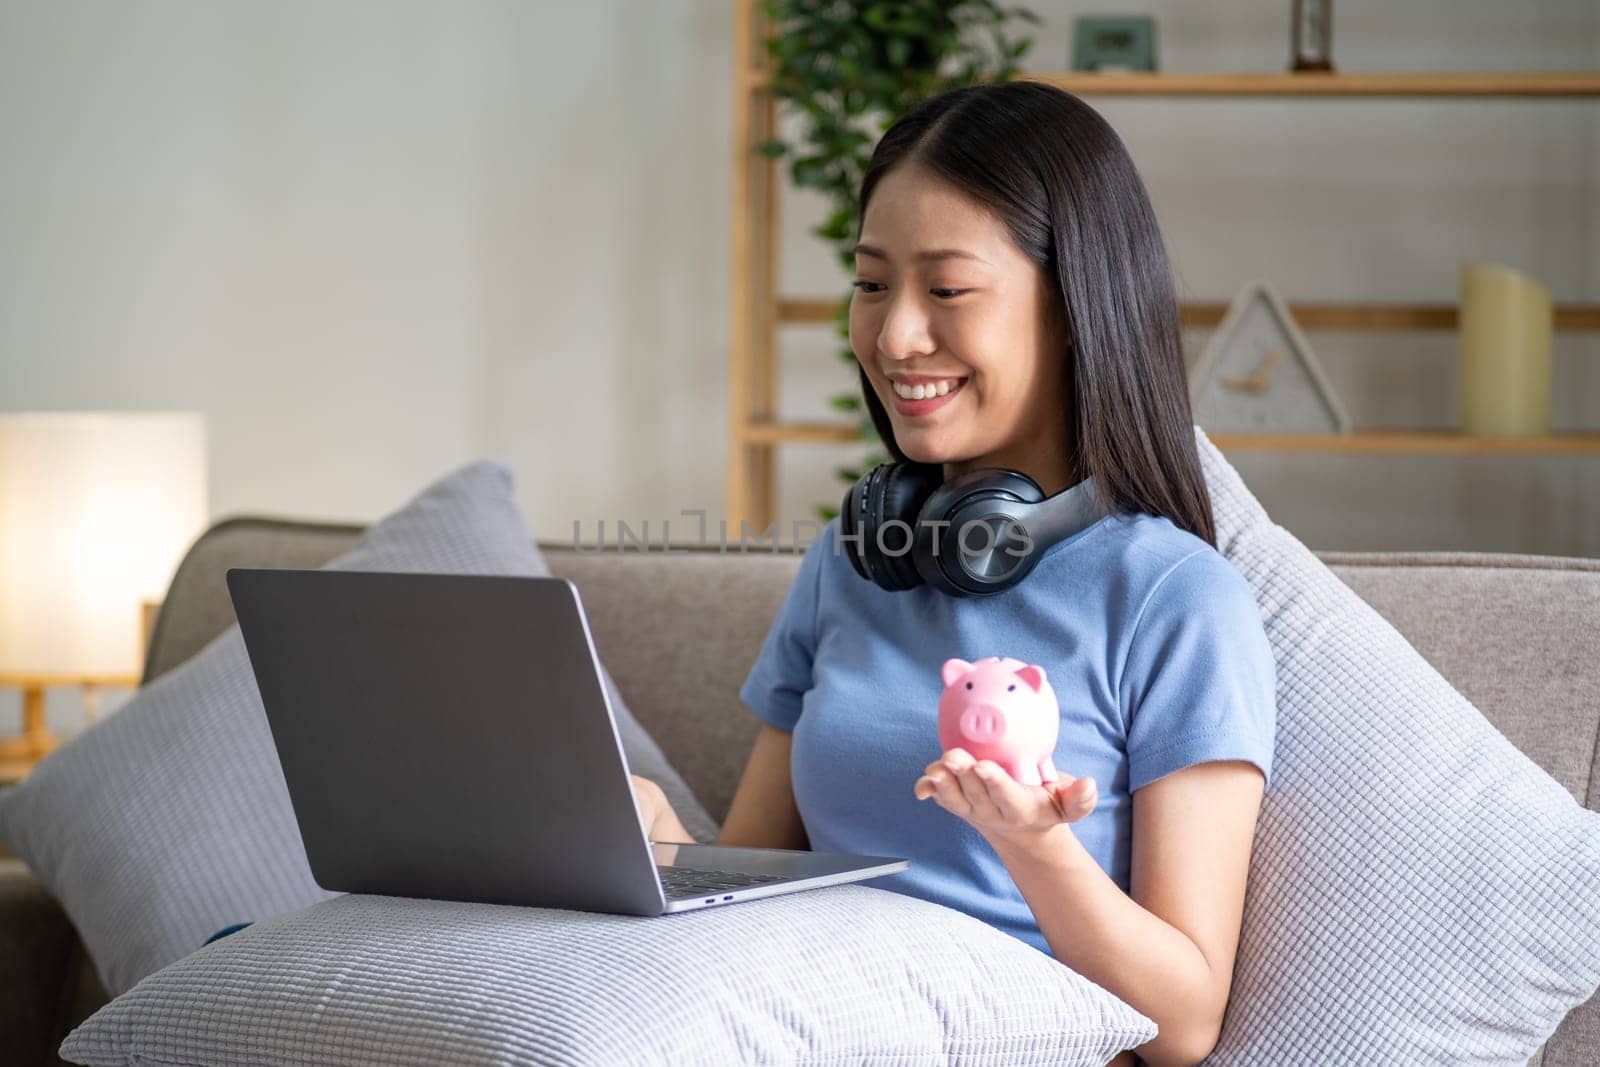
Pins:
<point x="1120" y="42"/>
<point x="96" y="509"/>
<point x="1258" y="374"/>
<point x="1311" y="38"/>
<point x="1503" y="366"/>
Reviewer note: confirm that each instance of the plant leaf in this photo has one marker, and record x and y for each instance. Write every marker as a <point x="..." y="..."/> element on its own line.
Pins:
<point x="845" y="402"/>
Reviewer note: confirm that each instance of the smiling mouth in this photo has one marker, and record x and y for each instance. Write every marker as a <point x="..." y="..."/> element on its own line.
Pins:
<point x="927" y="390"/>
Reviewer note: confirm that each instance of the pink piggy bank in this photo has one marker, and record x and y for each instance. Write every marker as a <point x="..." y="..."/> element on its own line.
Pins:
<point x="1002" y="710"/>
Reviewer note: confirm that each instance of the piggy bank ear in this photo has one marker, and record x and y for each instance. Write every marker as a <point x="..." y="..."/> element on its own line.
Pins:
<point x="953" y="670"/>
<point x="1033" y="675"/>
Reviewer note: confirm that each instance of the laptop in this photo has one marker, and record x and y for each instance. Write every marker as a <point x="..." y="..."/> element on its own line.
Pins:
<point x="451" y="737"/>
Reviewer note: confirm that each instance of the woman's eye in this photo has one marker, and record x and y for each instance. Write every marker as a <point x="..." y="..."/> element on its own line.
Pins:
<point x="876" y="287"/>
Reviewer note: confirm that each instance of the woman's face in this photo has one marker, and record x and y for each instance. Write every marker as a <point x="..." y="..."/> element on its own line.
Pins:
<point x="946" y="302"/>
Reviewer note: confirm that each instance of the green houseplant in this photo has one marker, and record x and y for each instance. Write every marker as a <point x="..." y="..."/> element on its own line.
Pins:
<point x="850" y="68"/>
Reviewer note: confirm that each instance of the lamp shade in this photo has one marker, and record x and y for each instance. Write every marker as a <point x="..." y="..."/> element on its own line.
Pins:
<point x="96" y="510"/>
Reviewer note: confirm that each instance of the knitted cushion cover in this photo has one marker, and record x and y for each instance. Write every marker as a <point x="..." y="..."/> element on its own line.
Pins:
<point x="841" y="975"/>
<point x="1420" y="891"/>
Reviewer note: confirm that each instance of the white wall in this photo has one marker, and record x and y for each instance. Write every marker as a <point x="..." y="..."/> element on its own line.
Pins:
<point x="374" y="239"/>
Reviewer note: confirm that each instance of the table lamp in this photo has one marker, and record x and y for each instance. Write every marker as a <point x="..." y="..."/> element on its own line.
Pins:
<point x="96" y="510"/>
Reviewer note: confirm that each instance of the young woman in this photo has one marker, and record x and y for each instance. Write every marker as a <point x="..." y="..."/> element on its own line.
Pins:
<point x="1014" y="308"/>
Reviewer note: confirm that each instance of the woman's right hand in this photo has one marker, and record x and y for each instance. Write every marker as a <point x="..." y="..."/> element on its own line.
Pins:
<point x="649" y="799"/>
<point x="661" y="822"/>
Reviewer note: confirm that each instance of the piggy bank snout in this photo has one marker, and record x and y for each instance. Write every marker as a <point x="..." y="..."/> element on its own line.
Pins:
<point x="982" y="722"/>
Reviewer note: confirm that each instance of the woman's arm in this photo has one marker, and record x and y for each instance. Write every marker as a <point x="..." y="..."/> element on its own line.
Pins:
<point x="763" y="813"/>
<point x="1168" y="948"/>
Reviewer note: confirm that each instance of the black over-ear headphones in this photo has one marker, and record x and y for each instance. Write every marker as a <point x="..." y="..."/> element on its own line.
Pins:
<point x="976" y="535"/>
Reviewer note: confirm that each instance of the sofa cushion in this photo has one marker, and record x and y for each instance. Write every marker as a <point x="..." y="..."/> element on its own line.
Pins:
<point x="843" y="974"/>
<point x="169" y="819"/>
<point x="1420" y="891"/>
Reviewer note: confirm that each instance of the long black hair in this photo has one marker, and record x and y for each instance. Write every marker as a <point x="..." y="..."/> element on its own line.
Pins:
<point x="1055" y="173"/>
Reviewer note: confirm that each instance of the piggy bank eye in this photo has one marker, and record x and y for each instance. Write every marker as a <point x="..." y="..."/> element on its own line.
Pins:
<point x="1009" y="688"/>
<point x="969" y="685"/>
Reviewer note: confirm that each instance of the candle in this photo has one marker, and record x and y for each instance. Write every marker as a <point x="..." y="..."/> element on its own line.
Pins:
<point x="1504" y="362"/>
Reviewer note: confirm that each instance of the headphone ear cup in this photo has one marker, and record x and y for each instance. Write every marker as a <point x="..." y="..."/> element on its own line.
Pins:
<point x="905" y="489"/>
<point x="885" y="494"/>
<point x="853" y="518"/>
<point x="982" y="497"/>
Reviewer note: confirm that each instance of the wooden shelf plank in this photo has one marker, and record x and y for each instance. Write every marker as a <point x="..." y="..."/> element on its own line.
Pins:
<point x="816" y="311"/>
<point x="1542" y="83"/>
<point x="1384" y="317"/>
<point x="1396" y="318"/>
<point x="1420" y="442"/>
<point x="765" y="432"/>
<point x="1441" y="83"/>
<point x="1415" y="442"/>
<point x="20" y="680"/>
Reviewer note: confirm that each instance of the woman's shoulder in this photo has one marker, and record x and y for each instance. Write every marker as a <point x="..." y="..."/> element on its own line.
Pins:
<point x="824" y="558"/>
<point x="1192" y="598"/>
<point x="1153" y="540"/>
<point x="1168" y="555"/>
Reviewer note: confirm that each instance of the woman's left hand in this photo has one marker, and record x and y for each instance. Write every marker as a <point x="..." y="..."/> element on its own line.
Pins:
<point x="996" y="804"/>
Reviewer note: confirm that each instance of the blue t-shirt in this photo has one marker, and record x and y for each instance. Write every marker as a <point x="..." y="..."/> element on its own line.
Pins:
<point x="1150" y="638"/>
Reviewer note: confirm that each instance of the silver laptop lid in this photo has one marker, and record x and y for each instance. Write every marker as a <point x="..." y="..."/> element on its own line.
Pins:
<point x="447" y="736"/>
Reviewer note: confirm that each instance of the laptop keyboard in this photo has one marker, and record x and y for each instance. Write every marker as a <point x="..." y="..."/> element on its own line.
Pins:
<point x="689" y="882"/>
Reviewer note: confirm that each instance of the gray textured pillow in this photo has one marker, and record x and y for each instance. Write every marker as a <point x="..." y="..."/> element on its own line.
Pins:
<point x="1420" y="891"/>
<point x="170" y="819"/>
<point x="842" y="975"/>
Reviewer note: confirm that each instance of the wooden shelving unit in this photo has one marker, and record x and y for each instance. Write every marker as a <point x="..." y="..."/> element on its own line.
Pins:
<point x="757" y="310"/>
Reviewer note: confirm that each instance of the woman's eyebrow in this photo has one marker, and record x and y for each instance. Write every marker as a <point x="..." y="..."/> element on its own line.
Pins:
<point x="932" y="253"/>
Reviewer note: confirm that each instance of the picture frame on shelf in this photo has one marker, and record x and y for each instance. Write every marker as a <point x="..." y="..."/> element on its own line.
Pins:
<point x="1114" y="43"/>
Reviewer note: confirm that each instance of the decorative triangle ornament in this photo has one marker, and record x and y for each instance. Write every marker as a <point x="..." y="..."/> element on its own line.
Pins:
<point x="1258" y="374"/>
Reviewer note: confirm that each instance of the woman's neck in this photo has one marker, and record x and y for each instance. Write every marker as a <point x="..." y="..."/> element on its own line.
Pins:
<point x="1049" y="466"/>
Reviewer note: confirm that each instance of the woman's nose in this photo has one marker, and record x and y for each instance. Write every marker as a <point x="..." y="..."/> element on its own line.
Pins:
<point x="905" y="332"/>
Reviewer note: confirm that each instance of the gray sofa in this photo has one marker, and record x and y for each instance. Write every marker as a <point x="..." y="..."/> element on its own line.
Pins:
<point x="1515" y="634"/>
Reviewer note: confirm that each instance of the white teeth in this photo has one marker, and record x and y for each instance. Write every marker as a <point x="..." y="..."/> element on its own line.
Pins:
<point x="924" y="392"/>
